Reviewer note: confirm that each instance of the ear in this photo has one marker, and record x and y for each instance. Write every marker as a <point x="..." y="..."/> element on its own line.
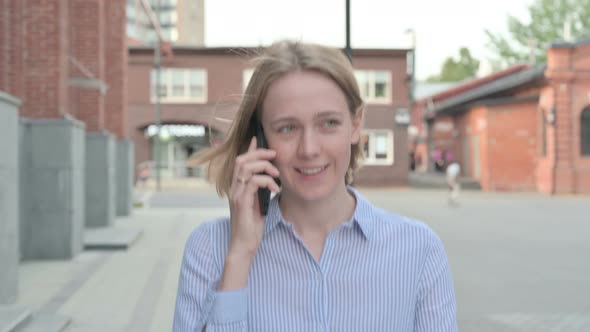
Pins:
<point x="357" y="126"/>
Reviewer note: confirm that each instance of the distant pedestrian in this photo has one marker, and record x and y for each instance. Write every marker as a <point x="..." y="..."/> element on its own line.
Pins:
<point x="453" y="171"/>
<point x="144" y="175"/>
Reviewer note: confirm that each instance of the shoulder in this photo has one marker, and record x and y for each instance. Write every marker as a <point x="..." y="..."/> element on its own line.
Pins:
<point x="397" y="237"/>
<point x="210" y="237"/>
<point x="209" y="228"/>
<point x="402" y="235"/>
<point x="391" y="222"/>
<point x="393" y="227"/>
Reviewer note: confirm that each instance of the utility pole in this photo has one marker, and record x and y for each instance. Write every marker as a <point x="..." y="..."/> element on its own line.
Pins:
<point x="348" y="49"/>
<point x="411" y="61"/>
<point x="154" y="19"/>
<point x="158" y="68"/>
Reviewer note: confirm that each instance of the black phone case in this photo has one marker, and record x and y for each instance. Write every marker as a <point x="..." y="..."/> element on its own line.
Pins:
<point x="263" y="193"/>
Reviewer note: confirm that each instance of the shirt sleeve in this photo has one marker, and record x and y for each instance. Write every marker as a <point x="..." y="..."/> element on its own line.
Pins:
<point x="198" y="304"/>
<point x="436" y="309"/>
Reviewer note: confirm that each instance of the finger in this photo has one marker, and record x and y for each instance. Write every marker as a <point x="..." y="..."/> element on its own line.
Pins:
<point x="253" y="143"/>
<point x="261" y="181"/>
<point x="248" y="157"/>
<point x="257" y="167"/>
<point x="256" y="154"/>
<point x="239" y="196"/>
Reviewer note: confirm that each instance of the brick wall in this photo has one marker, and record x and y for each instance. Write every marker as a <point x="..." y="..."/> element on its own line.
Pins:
<point x="33" y="55"/>
<point x="87" y="26"/>
<point x="116" y="117"/>
<point x="37" y="40"/>
<point x="471" y="144"/>
<point x="512" y="149"/>
<point x="568" y="93"/>
<point x="560" y="75"/>
<point x="581" y="100"/>
<point x="11" y="47"/>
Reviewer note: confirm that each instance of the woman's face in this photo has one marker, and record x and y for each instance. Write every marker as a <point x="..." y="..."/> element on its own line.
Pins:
<point x="307" y="122"/>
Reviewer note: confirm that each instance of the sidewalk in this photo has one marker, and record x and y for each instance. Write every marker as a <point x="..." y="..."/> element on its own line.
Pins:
<point x="113" y="291"/>
<point x="176" y="184"/>
<point x="439" y="180"/>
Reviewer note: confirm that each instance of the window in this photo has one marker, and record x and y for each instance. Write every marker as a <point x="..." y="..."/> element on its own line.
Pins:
<point x="130" y="11"/>
<point x="180" y="85"/>
<point x="375" y="85"/>
<point x="585" y="131"/>
<point x="163" y="3"/>
<point x="177" y="76"/>
<point x="168" y="18"/>
<point x="378" y="147"/>
<point x="170" y="33"/>
<point x="196" y="85"/>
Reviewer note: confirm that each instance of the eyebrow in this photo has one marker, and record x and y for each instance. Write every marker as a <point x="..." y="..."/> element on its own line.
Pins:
<point x="318" y="115"/>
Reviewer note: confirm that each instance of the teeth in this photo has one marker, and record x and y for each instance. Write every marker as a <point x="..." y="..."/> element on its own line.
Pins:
<point x="309" y="171"/>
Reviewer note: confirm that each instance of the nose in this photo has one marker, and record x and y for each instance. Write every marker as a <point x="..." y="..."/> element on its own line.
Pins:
<point x="309" y="144"/>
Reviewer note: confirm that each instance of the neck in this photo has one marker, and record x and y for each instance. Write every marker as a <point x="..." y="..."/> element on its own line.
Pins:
<point x="318" y="217"/>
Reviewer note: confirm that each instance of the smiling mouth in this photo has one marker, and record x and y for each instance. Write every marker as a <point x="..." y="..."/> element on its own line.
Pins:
<point x="311" y="171"/>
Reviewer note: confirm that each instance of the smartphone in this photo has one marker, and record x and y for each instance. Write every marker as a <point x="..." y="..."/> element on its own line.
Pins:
<point x="263" y="193"/>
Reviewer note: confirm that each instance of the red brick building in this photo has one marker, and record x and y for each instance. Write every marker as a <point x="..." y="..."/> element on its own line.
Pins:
<point x="201" y="88"/>
<point x="66" y="58"/>
<point x="65" y="61"/>
<point x="524" y="128"/>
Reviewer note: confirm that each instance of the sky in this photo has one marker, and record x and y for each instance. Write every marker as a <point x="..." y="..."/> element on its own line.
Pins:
<point x="441" y="27"/>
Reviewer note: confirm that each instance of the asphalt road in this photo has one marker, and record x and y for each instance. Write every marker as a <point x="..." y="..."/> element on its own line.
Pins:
<point x="520" y="262"/>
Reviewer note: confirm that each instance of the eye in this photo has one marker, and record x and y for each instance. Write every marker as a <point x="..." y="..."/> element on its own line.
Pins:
<point x="331" y="123"/>
<point x="286" y="129"/>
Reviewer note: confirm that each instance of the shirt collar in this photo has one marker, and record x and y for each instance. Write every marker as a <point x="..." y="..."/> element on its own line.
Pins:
<point x="363" y="215"/>
<point x="273" y="215"/>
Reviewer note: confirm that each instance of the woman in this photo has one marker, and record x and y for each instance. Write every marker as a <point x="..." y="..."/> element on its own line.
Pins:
<point x="323" y="258"/>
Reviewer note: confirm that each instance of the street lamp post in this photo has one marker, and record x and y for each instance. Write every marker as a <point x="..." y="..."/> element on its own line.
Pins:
<point x="411" y="59"/>
<point x="158" y="67"/>
<point x="348" y="49"/>
<point x="154" y="19"/>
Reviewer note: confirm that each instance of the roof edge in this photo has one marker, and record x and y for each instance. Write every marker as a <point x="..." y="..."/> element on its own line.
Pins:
<point x="239" y="50"/>
<point x="566" y="44"/>
<point x="501" y="84"/>
<point x="473" y="84"/>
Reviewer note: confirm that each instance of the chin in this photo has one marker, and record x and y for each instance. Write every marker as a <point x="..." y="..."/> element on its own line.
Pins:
<point x="311" y="193"/>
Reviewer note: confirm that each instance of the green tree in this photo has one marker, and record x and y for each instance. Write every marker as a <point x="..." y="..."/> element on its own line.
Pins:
<point x="549" y="19"/>
<point x="457" y="69"/>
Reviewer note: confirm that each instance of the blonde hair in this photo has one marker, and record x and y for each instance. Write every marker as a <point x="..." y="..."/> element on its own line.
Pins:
<point x="275" y="61"/>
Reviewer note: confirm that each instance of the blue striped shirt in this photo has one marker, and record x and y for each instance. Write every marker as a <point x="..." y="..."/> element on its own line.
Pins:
<point x="378" y="272"/>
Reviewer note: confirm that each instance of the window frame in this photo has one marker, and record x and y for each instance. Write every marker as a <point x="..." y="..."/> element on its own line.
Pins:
<point x="371" y="159"/>
<point x="371" y="82"/>
<point x="167" y="82"/>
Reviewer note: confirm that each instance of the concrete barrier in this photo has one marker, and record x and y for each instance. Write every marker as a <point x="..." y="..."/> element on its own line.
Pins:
<point x="100" y="179"/>
<point x="52" y="188"/>
<point x="124" y="177"/>
<point x="9" y="199"/>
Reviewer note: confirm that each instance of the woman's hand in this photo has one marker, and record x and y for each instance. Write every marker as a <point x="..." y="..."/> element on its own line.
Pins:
<point x="247" y="224"/>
